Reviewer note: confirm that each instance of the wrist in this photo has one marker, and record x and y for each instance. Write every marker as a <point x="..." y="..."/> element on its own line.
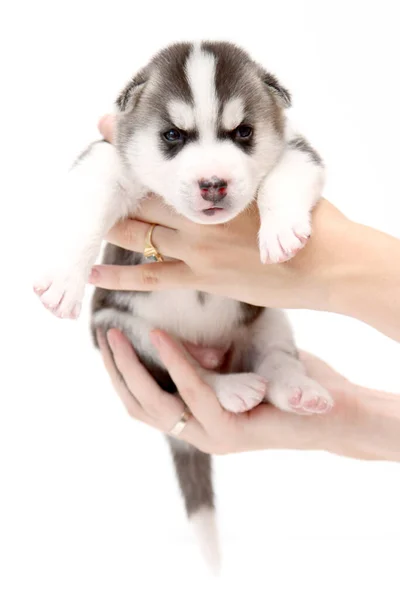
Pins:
<point x="365" y="424"/>
<point x="380" y="424"/>
<point x="325" y="266"/>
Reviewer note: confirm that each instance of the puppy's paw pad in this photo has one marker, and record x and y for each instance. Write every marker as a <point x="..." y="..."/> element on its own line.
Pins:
<point x="240" y="392"/>
<point x="300" y="394"/>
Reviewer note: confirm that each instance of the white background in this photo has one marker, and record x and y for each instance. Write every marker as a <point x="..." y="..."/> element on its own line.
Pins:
<point x="89" y="508"/>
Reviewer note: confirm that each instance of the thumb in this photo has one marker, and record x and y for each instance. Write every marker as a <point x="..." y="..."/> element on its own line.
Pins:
<point x="147" y="277"/>
<point x="106" y="127"/>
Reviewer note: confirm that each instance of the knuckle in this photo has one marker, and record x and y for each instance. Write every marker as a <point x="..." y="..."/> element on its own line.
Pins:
<point x="195" y="392"/>
<point x="187" y="391"/>
<point x="149" y="278"/>
<point x="130" y="235"/>
<point x="119" y="282"/>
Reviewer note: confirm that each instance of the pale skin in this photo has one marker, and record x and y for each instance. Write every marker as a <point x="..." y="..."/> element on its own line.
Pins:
<point x="345" y="268"/>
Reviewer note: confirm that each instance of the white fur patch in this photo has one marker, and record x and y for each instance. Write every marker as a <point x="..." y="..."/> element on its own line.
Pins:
<point x="285" y="200"/>
<point x="181" y="313"/>
<point x="182" y="115"/>
<point x="233" y="114"/>
<point x="205" y="531"/>
<point x="91" y="202"/>
<point x="200" y="71"/>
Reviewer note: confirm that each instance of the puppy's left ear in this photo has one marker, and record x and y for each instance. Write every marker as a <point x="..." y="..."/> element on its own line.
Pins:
<point x="130" y="95"/>
<point x="281" y="94"/>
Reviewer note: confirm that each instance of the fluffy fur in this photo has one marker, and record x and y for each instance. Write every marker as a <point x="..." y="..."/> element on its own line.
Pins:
<point x="203" y="126"/>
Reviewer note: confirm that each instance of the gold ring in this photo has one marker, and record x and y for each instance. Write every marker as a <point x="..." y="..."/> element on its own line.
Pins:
<point x="181" y="424"/>
<point x="151" y="251"/>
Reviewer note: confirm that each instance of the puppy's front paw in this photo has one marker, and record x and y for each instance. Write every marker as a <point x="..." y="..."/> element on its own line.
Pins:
<point x="298" y="393"/>
<point x="239" y="392"/>
<point x="61" y="294"/>
<point x="280" y="238"/>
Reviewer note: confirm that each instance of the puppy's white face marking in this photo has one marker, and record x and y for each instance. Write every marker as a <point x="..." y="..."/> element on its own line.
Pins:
<point x="200" y="71"/>
<point x="182" y="115"/>
<point x="233" y="114"/>
<point x="207" y="150"/>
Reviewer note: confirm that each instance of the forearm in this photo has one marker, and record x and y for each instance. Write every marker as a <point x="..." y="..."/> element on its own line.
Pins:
<point x="351" y="269"/>
<point x="366" y="427"/>
<point x="368" y="288"/>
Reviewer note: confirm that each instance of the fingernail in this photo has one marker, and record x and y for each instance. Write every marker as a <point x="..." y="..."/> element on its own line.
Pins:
<point x="94" y="275"/>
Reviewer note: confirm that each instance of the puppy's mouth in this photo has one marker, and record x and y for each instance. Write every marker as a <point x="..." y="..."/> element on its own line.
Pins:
<point x="210" y="212"/>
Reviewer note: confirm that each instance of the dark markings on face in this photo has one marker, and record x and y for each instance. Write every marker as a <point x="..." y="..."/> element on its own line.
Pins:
<point x="170" y="148"/>
<point x="237" y="75"/>
<point x="136" y="83"/>
<point x="299" y="143"/>
<point x="245" y="144"/>
<point x="282" y="93"/>
<point x="166" y="70"/>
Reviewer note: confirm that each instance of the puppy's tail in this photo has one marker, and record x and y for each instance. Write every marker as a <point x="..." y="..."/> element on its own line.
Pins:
<point x="194" y="472"/>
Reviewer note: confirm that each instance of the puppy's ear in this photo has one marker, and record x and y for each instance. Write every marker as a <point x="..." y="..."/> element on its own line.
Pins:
<point x="129" y="96"/>
<point x="281" y="94"/>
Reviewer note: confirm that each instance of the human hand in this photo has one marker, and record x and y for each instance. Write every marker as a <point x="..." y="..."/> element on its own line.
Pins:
<point x="221" y="259"/>
<point x="211" y="428"/>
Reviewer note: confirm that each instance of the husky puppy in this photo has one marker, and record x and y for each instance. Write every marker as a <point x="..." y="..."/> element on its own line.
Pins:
<point x="204" y="127"/>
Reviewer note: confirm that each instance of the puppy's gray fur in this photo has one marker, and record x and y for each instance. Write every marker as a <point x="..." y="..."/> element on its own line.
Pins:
<point x="229" y="115"/>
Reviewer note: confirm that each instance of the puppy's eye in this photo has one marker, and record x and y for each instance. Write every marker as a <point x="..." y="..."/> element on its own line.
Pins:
<point x="174" y="135"/>
<point x="243" y="132"/>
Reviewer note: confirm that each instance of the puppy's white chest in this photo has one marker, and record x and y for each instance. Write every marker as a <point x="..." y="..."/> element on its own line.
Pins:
<point x="199" y="318"/>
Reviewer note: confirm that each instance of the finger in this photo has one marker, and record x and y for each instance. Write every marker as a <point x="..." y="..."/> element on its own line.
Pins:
<point x="131" y="235"/>
<point x="132" y="406"/>
<point x="195" y="392"/>
<point x="146" y="277"/>
<point x="106" y="127"/>
<point x="162" y="410"/>
<point x="137" y="378"/>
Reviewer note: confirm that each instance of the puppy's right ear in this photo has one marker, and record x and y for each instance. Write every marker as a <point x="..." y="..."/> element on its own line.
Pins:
<point x="129" y="96"/>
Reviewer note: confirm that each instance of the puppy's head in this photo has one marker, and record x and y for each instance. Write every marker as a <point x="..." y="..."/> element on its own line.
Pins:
<point x="201" y="126"/>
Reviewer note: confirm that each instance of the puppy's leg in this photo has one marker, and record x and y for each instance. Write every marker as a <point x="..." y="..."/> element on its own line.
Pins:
<point x="237" y="392"/>
<point x="285" y="200"/>
<point x="274" y="356"/>
<point x="93" y="199"/>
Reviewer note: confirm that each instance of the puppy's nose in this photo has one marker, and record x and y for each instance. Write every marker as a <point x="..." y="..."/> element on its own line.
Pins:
<point x="214" y="189"/>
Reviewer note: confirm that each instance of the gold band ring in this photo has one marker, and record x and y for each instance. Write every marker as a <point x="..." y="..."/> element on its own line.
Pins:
<point x="150" y="251"/>
<point x="181" y="424"/>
